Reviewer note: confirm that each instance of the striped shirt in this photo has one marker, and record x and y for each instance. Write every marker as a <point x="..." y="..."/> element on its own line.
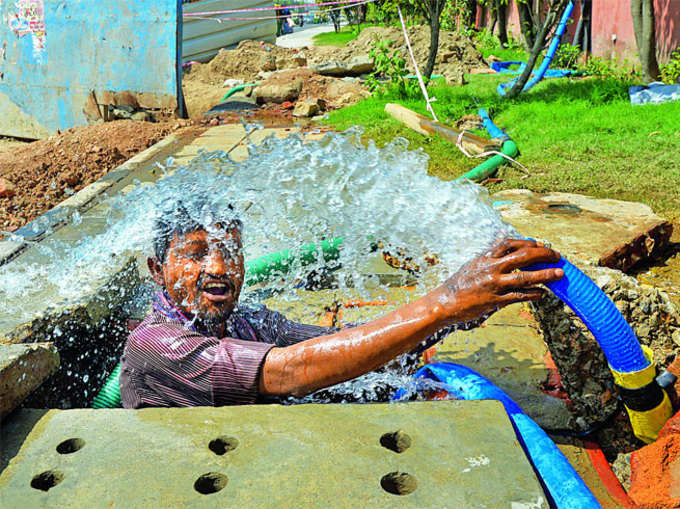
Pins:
<point x="168" y="362"/>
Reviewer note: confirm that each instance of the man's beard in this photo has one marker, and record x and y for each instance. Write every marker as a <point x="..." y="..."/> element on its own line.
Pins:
<point x="212" y="321"/>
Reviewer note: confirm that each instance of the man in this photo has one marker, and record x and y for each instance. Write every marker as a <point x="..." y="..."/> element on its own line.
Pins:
<point x="198" y="347"/>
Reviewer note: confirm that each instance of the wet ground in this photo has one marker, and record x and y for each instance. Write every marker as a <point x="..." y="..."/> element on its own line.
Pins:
<point x="664" y="272"/>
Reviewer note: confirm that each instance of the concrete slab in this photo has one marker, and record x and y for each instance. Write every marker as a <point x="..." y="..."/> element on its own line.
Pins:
<point x="611" y="233"/>
<point x="269" y="456"/>
<point x="509" y="350"/>
<point x="22" y="369"/>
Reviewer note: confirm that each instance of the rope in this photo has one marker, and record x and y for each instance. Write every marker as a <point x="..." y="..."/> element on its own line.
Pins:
<point x="459" y="144"/>
<point x="249" y="18"/>
<point x="428" y="100"/>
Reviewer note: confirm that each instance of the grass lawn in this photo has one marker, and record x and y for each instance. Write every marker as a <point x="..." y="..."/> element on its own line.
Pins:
<point x="340" y="38"/>
<point x="575" y="135"/>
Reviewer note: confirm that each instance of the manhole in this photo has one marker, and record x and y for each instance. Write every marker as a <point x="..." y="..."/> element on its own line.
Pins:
<point x="212" y="482"/>
<point x="397" y="441"/>
<point x="70" y="446"/>
<point x="47" y="480"/>
<point x="399" y="483"/>
<point x="223" y="444"/>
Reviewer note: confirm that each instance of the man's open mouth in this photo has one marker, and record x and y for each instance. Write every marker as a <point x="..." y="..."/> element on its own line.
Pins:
<point x="217" y="290"/>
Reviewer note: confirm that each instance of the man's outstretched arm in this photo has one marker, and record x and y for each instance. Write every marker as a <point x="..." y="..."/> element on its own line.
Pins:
<point x="481" y="286"/>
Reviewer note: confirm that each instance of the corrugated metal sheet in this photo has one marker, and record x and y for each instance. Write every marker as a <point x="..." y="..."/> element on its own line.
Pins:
<point x="61" y="60"/>
<point x="203" y="38"/>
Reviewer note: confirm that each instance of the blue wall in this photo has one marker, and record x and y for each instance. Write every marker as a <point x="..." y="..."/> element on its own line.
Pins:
<point x="48" y="75"/>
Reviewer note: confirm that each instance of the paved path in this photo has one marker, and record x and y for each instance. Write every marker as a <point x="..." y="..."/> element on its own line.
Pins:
<point x="303" y="36"/>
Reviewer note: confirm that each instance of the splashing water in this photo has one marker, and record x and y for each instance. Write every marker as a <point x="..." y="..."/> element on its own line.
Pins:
<point x="287" y="194"/>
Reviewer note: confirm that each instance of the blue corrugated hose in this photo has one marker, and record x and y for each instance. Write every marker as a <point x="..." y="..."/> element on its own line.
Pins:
<point x="561" y="482"/>
<point x="617" y="340"/>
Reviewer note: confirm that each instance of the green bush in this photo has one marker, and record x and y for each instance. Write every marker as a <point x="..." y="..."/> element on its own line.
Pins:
<point x="670" y="72"/>
<point x="388" y="64"/>
<point x="567" y="56"/>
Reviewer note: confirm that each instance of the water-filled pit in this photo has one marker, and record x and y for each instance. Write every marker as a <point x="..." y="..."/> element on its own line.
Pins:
<point x="287" y="194"/>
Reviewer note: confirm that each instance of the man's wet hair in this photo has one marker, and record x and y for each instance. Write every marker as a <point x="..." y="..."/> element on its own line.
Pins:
<point x="176" y="219"/>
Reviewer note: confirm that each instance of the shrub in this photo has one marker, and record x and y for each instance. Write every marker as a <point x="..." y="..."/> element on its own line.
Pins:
<point x="567" y="56"/>
<point x="670" y="72"/>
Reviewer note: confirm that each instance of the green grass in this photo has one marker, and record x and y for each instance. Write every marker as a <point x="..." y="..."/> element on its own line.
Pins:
<point x="581" y="136"/>
<point x="340" y="38"/>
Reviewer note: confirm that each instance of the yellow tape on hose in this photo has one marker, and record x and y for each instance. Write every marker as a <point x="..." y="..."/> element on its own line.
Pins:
<point x="647" y="424"/>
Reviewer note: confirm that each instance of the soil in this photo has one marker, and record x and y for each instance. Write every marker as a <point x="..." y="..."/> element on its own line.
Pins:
<point x="456" y="55"/>
<point x="48" y="171"/>
<point x="245" y="62"/>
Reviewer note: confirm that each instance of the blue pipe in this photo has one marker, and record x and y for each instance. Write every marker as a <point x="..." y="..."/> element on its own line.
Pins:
<point x="491" y="128"/>
<point x="617" y="340"/>
<point x="561" y="482"/>
<point x="550" y="54"/>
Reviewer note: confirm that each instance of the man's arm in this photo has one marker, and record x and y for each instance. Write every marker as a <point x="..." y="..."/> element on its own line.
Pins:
<point x="482" y="286"/>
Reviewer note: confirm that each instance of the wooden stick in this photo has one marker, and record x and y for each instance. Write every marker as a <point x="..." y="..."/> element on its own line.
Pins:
<point x="427" y="127"/>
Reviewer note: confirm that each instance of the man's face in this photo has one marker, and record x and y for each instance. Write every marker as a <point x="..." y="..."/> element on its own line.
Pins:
<point x="203" y="273"/>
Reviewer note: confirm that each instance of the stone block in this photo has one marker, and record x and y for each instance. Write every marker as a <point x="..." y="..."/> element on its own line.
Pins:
<point x="452" y="454"/>
<point x="611" y="233"/>
<point x="306" y="108"/>
<point x="22" y="369"/>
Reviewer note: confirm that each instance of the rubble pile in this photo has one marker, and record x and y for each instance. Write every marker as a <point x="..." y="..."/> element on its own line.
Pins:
<point x="456" y="55"/>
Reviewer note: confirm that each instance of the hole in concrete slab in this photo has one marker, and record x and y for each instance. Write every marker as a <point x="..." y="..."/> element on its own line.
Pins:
<point x="397" y="441"/>
<point x="223" y="444"/>
<point x="47" y="480"/>
<point x="399" y="483"/>
<point x="212" y="482"/>
<point x="71" y="445"/>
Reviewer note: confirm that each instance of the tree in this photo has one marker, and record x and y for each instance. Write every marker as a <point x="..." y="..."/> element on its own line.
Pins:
<point x="645" y="37"/>
<point x="545" y="26"/>
<point x="501" y="7"/>
<point x="431" y="10"/>
<point x="527" y="23"/>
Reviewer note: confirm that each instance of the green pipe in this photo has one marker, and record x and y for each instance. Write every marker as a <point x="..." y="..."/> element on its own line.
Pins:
<point x="262" y="268"/>
<point x="237" y="88"/>
<point x="109" y="396"/>
<point x="488" y="167"/>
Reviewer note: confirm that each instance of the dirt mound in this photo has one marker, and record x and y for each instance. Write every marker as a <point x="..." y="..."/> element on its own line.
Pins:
<point x="456" y="55"/>
<point x="305" y="84"/>
<point x="48" y="171"/>
<point x="245" y="63"/>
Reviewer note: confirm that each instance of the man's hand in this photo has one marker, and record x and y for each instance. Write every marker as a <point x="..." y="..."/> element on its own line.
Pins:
<point x="493" y="280"/>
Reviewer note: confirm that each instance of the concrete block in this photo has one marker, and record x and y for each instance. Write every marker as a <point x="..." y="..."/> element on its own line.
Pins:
<point x="22" y="369"/>
<point x="612" y="233"/>
<point x="453" y="454"/>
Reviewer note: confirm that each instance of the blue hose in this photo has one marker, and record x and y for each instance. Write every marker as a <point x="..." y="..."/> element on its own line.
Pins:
<point x="491" y="128"/>
<point x="617" y="340"/>
<point x="550" y="54"/>
<point x="561" y="482"/>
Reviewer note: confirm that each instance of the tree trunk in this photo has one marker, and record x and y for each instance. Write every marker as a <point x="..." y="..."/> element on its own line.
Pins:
<point x="470" y="17"/>
<point x="493" y="16"/>
<point x="548" y="23"/>
<point x="645" y="37"/>
<point x="526" y="21"/>
<point x="434" y="45"/>
<point x="501" y="14"/>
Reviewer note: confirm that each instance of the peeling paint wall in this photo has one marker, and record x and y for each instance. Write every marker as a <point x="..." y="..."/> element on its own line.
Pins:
<point x="62" y="61"/>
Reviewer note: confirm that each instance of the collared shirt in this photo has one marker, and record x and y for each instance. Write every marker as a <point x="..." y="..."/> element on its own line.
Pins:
<point x="168" y="362"/>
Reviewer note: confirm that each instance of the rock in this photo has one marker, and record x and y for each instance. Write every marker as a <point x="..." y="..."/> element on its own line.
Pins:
<point x="332" y="68"/>
<point x="360" y="64"/>
<point x="306" y="108"/>
<point x="231" y="82"/>
<point x="122" y="113"/>
<point x="272" y="92"/>
<point x="23" y="368"/>
<point x="7" y="189"/>
<point x="141" y="116"/>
